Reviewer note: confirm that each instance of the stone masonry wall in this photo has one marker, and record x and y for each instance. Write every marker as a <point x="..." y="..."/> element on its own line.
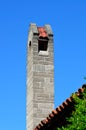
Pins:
<point x="40" y="79"/>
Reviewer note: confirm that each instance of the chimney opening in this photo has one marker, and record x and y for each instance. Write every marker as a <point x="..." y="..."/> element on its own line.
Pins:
<point x="42" y="45"/>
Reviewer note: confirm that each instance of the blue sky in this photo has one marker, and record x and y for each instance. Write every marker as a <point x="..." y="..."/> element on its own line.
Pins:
<point x="68" y="21"/>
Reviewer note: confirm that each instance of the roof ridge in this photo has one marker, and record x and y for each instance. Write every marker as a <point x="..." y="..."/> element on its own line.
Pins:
<point x="58" y="110"/>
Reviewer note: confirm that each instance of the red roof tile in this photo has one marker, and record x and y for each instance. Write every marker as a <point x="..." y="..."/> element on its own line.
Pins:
<point x="42" y="32"/>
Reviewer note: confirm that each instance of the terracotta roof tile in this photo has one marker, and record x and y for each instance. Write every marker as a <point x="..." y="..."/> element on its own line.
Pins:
<point x="48" y="118"/>
<point x="42" y="32"/>
<point x="55" y="113"/>
<point x="51" y="115"/>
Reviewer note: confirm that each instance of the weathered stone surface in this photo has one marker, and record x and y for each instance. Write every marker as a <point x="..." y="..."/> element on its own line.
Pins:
<point x="40" y="78"/>
<point x="49" y="30"/>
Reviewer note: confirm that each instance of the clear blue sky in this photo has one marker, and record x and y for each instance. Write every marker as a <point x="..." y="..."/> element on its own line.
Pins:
<point x="68" y="21"/>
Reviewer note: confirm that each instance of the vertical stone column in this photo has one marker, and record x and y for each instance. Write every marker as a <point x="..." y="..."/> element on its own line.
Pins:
<point x="40" y="75"/>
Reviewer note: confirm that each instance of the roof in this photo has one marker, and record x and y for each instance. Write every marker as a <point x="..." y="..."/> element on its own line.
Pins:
<point x="57" y="116"/>
<point x="42" y="32"/>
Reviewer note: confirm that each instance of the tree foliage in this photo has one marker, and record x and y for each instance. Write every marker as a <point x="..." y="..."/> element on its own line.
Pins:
<point x="77" y="121"/>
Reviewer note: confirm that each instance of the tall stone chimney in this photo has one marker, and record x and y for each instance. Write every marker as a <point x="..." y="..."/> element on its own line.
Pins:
<point x="40" y="75"/>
